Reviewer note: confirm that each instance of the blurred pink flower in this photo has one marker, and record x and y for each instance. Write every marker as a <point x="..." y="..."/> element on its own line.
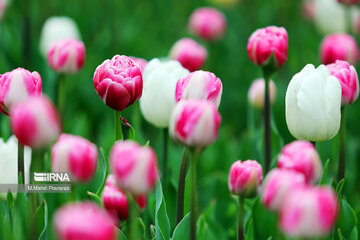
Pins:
<point x="256" y="93"/>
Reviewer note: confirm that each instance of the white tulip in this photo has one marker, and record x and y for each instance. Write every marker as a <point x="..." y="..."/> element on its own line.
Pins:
<point x="329" y="16"/>
<point x="313" y="101"/>
<point x="158" y="97"/>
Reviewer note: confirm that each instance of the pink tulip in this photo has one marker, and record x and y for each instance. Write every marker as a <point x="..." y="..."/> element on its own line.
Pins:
<point x="301" y="156"/>
<point x="134" y="166"/>
<point x="189" y="53"/>
<point x="66" y="56"/>
<point x="277" y="184"/>
<point x="200" y="85"/>
<point x="16" y="86"/>
<point x="207" y="23"/>
<point x="245" y="178"/>
<point x="347" y="76"/>
<point x="140" y="62"/>
<point x="266" y="43"/>
<point x="309" y="212"/>
<point x="348" y="1"/>
<point x="339" y="46"/>
<point x="35" y="122"/>
<point x="194" y="123"/>
<point x="83" y="221"/>
<point x="256" y="93"/>
<point x="118" y="82"/>
<point x="75" y="155"/>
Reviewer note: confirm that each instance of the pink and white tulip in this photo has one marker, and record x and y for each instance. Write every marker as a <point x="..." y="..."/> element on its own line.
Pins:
<point x="256" y="93"/>
<point x="339" y="46"/>
<point x="83" y="221"/>
<point x="140" y="62"/>
<point x="200" y="85"/>
<point x="207" y="23"/>
<point x="118" y="82"/>
<point x="194" y="123"/>
<point x="134" y="166"/>
<point x="348" y="78"/>
<point x="35" y="122"/>
<point x="75" y="155"/>
<point x="301" y="156"/>
<point x="16" y="86"/>
<point x="309" y="212"/>
<point x="245" y="178"/>
<point x="66" y="56"/>
<point x="277" y="184"/>
<point x="266" y="44"/>
<point x="189" y="53"/>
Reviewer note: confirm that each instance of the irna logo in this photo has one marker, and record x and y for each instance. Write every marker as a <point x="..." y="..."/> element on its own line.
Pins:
<point x="51" y="177"/>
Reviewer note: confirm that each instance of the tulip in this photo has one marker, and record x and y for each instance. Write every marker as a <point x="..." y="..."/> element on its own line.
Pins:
<point x="140" y="62"/>
<point x="66" y="56"/>
<point x="57" y="28"/>
<point x="75" y="155"/>
<point x="16" y="86"/>
<point x="339" y="46"/>
<point x="35" y="122"/>
<point x="207" y="23"/>
<point x="83" y="221"/>
<point x="308" y="9"/>
<point x="348" y="1"/>
<point x="324" y="23"/>
<point x="256" y="93"/>
<point x="309" y="212"/>
<point x="200" y="85"/>
<point x="3" y="4"/>
<point x="277" y="185"/>
<point x="312" y="101"/>
<point x="189" y="53"/>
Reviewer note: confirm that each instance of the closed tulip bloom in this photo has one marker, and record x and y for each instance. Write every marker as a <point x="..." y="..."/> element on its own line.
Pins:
<point x="140" y="62"/>
<point x="266" y="44"/>
<point x="200" y="85"/>
<point x="325" y="24"/>
<point x="195" y="123"/>
<point x="312" y="102"/>
<point x="207" y="23"/>
<point x="309" y="212"/>
<point x="66" y="56"/>
<point x="75" y="155"/>
<point x="118" y="82"/>
<point x="35" y="122"/>
<point x="189" y="53"/>
<point x="245" y="178"/>
<point x="277" y="184"/>
<point x="301" y="156"/>
<point x="83" y="221"/>
<point x="340" y="46"/>
<point x="348" y="1"/>
<point x="158" y="99"/>
<point x="16" y="86"/>
<point x="134" y="166"/>
<point x="348" y="78"/>
<point x="256" y="93"/>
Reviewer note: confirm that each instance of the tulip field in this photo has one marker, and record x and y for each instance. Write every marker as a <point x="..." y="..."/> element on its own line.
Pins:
<point x="179" y="120"/>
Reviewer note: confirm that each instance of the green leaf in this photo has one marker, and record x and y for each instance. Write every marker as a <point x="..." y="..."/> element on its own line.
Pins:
<point x="249" y="230"/>
<point x="340" y="235"/>
<point x="95" y="197"/>
<point x="262" y="215"/>
<point x="152" y="231"/>
<point x="9" y="201"/>
<point x="201" y="227"/>
<point x="339" y="188"/>
<point x="121" y="235"/>
<point x="347" y="219"/>
<point x="182" y="230"/>
<point x="43" y="234"/>
<point x="105" y="165"/>
<point x="141" y="225"/>
<point x="162" y="223"/>
<point x="323" y="180"/>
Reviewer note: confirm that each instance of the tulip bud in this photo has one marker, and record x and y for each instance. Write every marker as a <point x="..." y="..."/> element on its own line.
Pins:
<point x="134" y="166"/>
<point x="195" y="123"/>
<point x="158" y="99"/>
<point x="189" y="53"/>
<point x="268" y="47"/>
<point x="334" y="24"/>
<point x="207" y="23"/>
<point x="76" y="155"/>
<point x="83" y="220"/>
<point x="347" y="76"/>
<point x="301" y="156"/>
<point x="16" y="86"/>
<point x="309" y="212"/>
<point x="57" y="28"/>
<point x="245" y="178"/>
<point x="313" y="101"/>
<point x="256" y="94"/>
<point x="339" y="46"/>
<point x="66" y="56"/>
<point x="140" y="62"/>
<point x="35" y="122"/>
<point x="200" y="85"/>
<point x="348" y="1"/>
<point x="118" y="82"/>
<point x="277" y="184"/>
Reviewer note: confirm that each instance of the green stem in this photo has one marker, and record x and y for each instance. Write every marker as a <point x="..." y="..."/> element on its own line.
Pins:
<point x="267" y="159"/>
<point x="132" y="224"/>
<point x="241" y="219"/>
<point x="61" y="94"/>
<point x="165" y="155"/>
<point x="118" y="130"/>
<point x="193" y="194"/>
<point x="21" y="162"/>
<point x="181" y="188"/>
<point x="342" y="146"/>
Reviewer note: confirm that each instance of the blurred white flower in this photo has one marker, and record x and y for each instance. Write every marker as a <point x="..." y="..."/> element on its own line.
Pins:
<point x="329" y="16"/>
